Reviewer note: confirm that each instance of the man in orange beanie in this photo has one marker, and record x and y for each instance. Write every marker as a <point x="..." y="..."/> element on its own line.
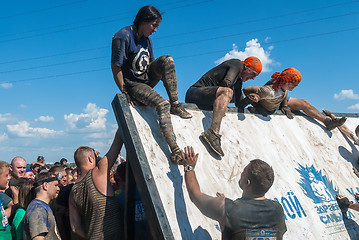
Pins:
<point x="215" y="90"/>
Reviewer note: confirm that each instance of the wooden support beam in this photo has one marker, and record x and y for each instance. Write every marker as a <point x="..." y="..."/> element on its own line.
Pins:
<point x="130" y="202"/>
<point x="156" y="215"/>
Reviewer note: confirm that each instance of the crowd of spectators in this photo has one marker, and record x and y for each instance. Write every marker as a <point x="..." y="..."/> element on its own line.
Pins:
<point x="34" y="198"/>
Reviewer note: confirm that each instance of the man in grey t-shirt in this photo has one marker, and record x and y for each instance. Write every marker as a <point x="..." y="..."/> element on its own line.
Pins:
<point x="239" y="219"/>
<point x="39" y="221"/>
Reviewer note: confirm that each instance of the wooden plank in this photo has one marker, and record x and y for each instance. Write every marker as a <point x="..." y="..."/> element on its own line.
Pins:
<point x="130" y="202"/>
<point x="151" y="200"/>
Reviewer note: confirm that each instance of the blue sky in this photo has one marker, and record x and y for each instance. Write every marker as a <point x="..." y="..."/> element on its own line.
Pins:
<point x="56" y="85"/>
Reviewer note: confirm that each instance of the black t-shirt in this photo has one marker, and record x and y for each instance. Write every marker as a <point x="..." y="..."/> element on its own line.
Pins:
<point x="64" y="195"/>
<point x="61" y="212"/>
<point x="132" y="55"/>
<point x="248" y="218"/>
<point x="223" y="75"/>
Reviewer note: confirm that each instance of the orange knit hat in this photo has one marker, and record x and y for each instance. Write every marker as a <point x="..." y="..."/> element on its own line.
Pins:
<point x="254" y="63"/>
<point x="290" y="75"/>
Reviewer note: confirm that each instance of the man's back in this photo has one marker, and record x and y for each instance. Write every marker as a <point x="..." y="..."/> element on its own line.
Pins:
<point x="100" y="213"/>
<point x="225" y="75"/>
<point x="245" y="214"/>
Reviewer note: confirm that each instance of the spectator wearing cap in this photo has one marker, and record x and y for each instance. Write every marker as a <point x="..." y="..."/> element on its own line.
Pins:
<point x="39" y="220"/>
<point x="217" y="88"/>
<point x="40" y="161"/>
<point x="63" y="162"/>
<point x="29" y="174"/>
<point x="4" y="201"/>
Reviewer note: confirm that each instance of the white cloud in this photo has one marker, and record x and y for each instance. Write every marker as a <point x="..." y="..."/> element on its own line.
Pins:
<point x="23" y="129"/>
<point x="110" y="134"/>
<point x="92" y="120"/>
<point x="98" y="145"/>
<point x="3" y="137"/>
<point x="45" y="119"/>
<point x="354" y="107"/>
<point x="253" y="48"/>
<point x="6" y="85"/>
<point x="7" y="117"/>
<point x="267" y="39"/>
<point x="99" y="135"/>
<point x="23" y="106"/>
<point x="346" y="94"/>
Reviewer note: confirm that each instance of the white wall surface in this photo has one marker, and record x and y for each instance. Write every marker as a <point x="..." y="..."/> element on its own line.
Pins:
<point x="292" y="147"/>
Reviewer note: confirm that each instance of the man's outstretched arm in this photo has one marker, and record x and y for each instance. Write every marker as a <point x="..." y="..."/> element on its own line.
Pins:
<point x="106" y="163"/>
<point x="212" y="207"/>
<point x="101" y="173"/>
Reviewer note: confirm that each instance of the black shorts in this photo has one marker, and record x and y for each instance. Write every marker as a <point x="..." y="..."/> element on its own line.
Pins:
<point x="203" y="97"/>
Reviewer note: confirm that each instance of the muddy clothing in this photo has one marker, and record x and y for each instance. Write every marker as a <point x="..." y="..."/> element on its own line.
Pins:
<point x="246" y="218"/>
<point x="101" y="214"/>
<point x="38" y="220"/>
<point x="135" y="57"/>
<point x="141" y="73"/>
<point x="270" y="98"/>
<point x="226" y="74"/>
<point x="132" y="55"/>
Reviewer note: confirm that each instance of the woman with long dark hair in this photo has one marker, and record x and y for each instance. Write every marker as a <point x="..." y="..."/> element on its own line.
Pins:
<point x="136" y="72"/>
<point x="25" y="197"/>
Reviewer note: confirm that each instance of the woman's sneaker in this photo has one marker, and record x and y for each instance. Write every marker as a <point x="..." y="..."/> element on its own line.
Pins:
<point x="331" y="123"/>
<point x="327" y="113"/>
<point x="176" y="156"/>
<point x="179" y="110"/>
